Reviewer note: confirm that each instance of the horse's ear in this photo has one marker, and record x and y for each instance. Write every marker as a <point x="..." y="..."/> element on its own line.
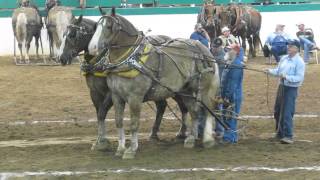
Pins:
<point x="113" y="11"/>
<point x="102" y="12"/>
<point x="79" y="20"/>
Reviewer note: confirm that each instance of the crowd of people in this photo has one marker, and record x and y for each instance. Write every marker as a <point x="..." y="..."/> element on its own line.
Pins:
<point x="290" y="70"/>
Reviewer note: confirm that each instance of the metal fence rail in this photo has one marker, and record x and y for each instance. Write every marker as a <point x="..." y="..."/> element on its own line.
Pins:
<point x="146" y="7"/>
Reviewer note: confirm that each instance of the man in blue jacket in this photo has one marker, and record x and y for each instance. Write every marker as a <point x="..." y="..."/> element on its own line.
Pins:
<point x="231" y="85"/>
<point x="290" y="71"/>
<point x="201" y="35"/>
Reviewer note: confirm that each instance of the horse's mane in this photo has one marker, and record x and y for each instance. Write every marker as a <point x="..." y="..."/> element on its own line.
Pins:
<point x="127" y="26"/>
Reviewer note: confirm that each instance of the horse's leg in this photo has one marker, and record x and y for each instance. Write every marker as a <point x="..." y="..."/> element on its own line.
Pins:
<point x="250" y="42"/>
<point x="20" y="49"/>
<point x="27" y="58"/>
<point x="37" y="46"/>
<point x="161" y="107"/>
<point x="256" y="43"/>
<point x="135" y="104"/>
<point x="244" y="44"/>
<point x="119" y="105"/>
<point x="102" y="104"/>
<point x="184" y="111"/>
<point x="189" y="142"/>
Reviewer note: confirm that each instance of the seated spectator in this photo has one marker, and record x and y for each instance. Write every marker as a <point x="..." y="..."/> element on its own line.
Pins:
<point x="277" y="42"/>
<point x="306" y="38"/>
<point x="201" y="35"/>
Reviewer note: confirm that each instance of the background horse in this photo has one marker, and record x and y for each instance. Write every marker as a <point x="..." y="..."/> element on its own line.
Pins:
<point x="181" y="67"/>
<point x="26" y="24"/>
<point x="208" y="17"/>
<point x="77" y="39"/>
<point x="244" y="22"/>
<point x="59" y="17"/>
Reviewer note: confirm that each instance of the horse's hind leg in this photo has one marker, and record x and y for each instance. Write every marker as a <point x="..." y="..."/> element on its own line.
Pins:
<point x="250" y="42"/>
<point x="119" y="105"/>
<point x="161" y="107"/>
<point x="37" y="46"/>
<point x="135" y="105"/>
<point x="27" y="58"/>
<point x="20" y="49"/>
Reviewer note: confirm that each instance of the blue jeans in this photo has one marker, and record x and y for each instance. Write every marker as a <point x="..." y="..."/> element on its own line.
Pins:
<point x="278" y="53"/>
<point x="307" y="45"/>
<point x="219" y="129"/>
<point x="284" y="110"/>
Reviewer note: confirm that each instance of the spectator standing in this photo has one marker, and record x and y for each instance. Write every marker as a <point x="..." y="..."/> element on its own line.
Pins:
<point x="290" y="71"/>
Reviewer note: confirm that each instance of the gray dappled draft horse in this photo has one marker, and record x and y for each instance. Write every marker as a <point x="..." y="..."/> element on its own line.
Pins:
<point x="26" y="24"/>
<point x="181" y="67"/>
<point x="76" y="40"/>
<point x="59" y="17"/>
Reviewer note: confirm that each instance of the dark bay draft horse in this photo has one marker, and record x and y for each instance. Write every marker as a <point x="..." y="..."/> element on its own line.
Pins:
<point x="181" y="67"/>
<point x="243" y="21"/>
<point x="208" y="17"/>
<point x="76" y="40"/>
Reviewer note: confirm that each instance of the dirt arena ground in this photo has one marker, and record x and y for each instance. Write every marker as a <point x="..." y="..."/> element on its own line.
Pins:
<point x="47" y="126"/>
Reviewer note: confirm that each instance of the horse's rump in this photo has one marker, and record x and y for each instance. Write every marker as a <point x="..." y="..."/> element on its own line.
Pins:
<point x="59" y="17"/>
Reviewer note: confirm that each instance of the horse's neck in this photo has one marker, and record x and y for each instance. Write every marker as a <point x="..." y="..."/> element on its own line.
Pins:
<point x="124" y="48"/>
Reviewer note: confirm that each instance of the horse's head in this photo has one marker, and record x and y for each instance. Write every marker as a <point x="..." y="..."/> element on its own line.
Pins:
<point x="76" y="39"/>
<point x="51" y="3"/>
<point x="227" y="17"/>
<point x="24" y="3"/>
<point x="111" y="30"/>
<point x="209" y="15"/>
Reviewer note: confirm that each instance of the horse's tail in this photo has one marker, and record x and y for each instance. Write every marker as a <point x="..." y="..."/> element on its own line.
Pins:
<point x="21" y="27"/>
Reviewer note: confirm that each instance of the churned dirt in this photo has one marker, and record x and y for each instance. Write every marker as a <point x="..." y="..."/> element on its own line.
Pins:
<point x="47" y="124"/>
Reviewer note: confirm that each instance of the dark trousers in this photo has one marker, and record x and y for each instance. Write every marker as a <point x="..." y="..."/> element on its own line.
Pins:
<point x="284" y="110"/>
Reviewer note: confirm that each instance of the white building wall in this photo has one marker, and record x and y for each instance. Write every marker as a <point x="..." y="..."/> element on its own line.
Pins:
<point x="179" y="26"/>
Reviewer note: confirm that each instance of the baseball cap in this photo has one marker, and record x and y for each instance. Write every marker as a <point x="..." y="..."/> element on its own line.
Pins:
<point x="217" y="42"/>
<point x="224" y="29"/>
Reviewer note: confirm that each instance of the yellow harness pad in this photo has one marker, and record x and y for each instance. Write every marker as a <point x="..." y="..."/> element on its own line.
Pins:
<point x="128" y="73"/>
<point x="143" y="59"/>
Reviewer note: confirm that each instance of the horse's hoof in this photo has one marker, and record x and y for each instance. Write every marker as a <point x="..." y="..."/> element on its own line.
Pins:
<point x="208" y="143"/>
<point x="154" y="138"/>
<point x="189" y="142"/>
<point x="120" y="152"/>
<point x="129" y="154"/>
<point x="181" y="136"/>
<point x="102" y="145"/>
